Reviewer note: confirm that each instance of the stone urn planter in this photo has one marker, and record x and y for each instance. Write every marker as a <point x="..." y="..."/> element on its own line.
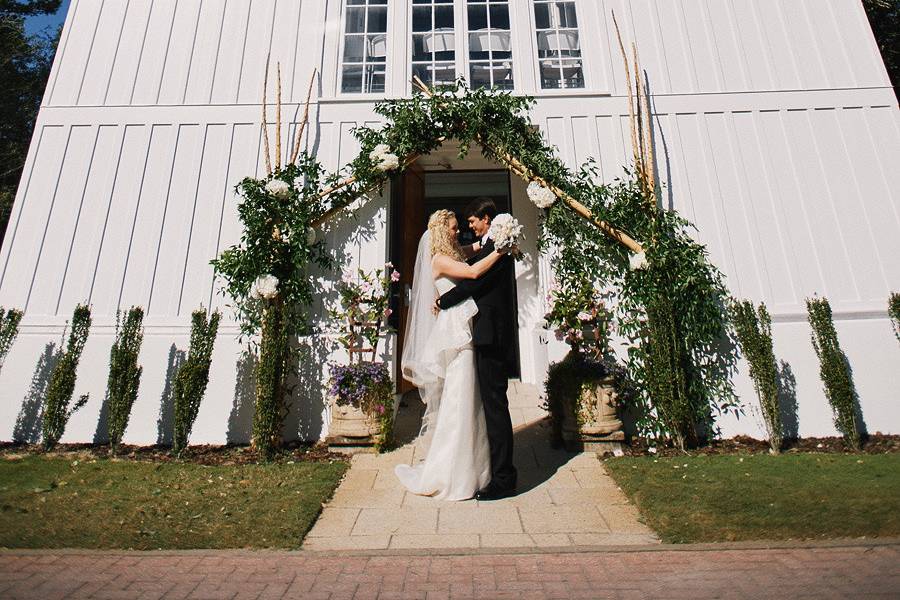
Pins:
<point x="583" y="402"/>
<point x="350" y="421"/>
<point x="591" y="422"/>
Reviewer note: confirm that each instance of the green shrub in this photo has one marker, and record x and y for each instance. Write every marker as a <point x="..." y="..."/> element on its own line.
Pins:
<point x="271" y="372"/>
<point x="9" y="329"/>
<point x="893" y="311"/>
<point x="62" y="380"/>
<point x="193" y="375"/>
<point x="834" y="370"/>
<point x="124" y="373"/>
<point x="754" y="333"/>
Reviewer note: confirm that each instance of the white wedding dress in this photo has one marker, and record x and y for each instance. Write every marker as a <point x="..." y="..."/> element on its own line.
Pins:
<point x="457" y="459"/>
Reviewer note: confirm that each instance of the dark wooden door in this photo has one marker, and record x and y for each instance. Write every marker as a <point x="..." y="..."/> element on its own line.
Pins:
<point x="409" y="223"/>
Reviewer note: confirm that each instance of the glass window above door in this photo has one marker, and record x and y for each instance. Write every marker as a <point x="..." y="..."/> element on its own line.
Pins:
<point x="462" y="37"/>
<point x="490" y="44"/>
<point x="364" y="51"/>
<point x="433" y="41"/>
<point x="558" y="44"/>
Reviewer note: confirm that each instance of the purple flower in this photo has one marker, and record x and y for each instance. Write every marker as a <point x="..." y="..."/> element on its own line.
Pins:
<point x="395" y="276"/>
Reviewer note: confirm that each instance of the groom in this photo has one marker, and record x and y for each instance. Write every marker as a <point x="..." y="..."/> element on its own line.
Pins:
<point x="493" y="338"/>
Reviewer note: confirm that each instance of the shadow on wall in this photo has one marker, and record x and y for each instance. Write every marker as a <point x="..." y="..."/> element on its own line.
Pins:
<point x="165" y="422"/>
<point x="787" y="401"/>
<point x="240" y="421"/>
<point x="28" y="424"/>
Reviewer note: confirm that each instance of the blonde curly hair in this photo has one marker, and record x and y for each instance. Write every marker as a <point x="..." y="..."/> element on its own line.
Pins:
<point x="442" y="241"/>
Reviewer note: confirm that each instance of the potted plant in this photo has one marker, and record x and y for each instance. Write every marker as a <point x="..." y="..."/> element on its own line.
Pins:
<point x="361" y="393"/>
<point x="581" y="390"/>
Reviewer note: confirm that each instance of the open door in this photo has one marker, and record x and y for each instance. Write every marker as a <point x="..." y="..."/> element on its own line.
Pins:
<point x="408" y="207"/>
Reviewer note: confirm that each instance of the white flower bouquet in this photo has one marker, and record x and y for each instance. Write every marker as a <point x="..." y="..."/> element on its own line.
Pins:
<point x="505" y="231"/>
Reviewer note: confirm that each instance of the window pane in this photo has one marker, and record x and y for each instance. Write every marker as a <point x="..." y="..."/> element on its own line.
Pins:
<point x="479" y="45"/>
<point x="351" y="81"/>
<point x="354" y="2"/>
<point x="356" y="20"/>
<point x="421" y="18"/>
<point x="566" y="14"/>
<point x="443" y="17"/>
<point x="376" y="48"/>
<point x="569" y="44"/>
<point x="353" y="48"/>
<point x="423" y="72"/>
<point x="542" y="16"/>
<point x="378" y="20"/>
<point x="444" y="72"/>
<point x="421" y="51"/>
<point x="375" y="79"/>
<point x="499" y="16"/>
<point x="480" y="74"/>
<point x="572" y="75"/>
<point x="477" y="17"/>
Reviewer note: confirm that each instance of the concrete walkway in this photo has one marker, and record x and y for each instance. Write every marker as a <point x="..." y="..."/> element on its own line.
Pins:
<point x="728" y="571"/>
<point x="564" y="500"/>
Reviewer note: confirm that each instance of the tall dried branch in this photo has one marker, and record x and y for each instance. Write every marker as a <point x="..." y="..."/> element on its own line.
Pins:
<point x="265" y="128"/>
<point x="303" y="121"/>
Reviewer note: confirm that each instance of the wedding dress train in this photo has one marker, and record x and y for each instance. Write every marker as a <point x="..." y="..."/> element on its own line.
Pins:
<point x="457" y="459"/>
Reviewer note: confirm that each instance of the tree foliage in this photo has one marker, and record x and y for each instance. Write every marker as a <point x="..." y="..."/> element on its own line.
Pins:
<point x="884" y="17"/>
<point x="25" y="62"/>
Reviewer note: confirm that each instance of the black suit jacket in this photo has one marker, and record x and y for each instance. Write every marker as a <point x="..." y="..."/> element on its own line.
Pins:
<point x="493" y="294"/>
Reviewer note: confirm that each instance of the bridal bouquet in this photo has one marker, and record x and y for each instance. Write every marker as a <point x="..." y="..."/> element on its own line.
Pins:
<point x="505" y="231"/>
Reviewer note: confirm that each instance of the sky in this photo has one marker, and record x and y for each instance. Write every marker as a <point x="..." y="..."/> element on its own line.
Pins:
<point x="36" y="24"/>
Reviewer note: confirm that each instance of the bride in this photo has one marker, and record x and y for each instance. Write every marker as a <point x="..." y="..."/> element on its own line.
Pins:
<point x="438" y="358"/>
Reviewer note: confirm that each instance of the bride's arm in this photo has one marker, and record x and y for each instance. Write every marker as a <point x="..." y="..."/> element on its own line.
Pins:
<point x="444" y="265"/>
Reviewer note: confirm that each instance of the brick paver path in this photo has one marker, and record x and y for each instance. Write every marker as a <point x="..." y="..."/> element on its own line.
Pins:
<point x="653" y="572"/>
<point x="564" y="499"/>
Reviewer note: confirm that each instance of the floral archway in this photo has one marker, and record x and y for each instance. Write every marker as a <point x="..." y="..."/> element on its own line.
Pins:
<point x="668" y="300"/>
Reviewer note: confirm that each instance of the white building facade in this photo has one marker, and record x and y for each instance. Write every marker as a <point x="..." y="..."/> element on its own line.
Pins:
<point x="776" y="127"/>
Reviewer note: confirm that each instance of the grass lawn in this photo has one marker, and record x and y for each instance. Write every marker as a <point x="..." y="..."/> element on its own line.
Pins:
<point x="761" y="497"/>
<point x="99" y="503"/>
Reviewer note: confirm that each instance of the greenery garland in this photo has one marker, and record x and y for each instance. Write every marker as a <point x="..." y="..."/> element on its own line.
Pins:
<point x="754" y="332"/>
<point x="9" y="329"/>
<point x="834" y="370"/>
<point x="124" y="373"/>
<point x="672" y="311"/>
<point x="57" y="411"/>
<point x="192" y="376"/>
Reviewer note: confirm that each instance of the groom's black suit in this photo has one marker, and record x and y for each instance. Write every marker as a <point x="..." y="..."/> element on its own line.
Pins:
<point x="493" y="336"/>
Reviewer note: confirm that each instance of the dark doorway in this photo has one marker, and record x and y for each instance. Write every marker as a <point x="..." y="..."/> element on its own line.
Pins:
<point x="415" y="195"/>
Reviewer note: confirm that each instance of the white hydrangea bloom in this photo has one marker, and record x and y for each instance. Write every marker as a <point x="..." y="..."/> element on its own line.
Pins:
<point x="505" y="231"/>
<point x="266" y="286"/>
<point x="584" y="316"/>
<point x="311" y="236"/>
<point x="278" y="188"/>
<point x="383" y="158"/>
<point x="539" y="195"/>
<point x="638" y="261"/>
<point x="388" y="162"/>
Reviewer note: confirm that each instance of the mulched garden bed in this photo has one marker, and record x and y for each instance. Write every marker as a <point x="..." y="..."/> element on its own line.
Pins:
<point x="876" y="443"/>
<point x="205" y="454"/>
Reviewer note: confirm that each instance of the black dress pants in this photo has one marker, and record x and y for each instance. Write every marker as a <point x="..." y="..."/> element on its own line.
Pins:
<point x="491" y="363"/>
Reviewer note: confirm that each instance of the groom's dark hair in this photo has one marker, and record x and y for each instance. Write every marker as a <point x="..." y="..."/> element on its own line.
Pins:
<point x="480" y="207"/>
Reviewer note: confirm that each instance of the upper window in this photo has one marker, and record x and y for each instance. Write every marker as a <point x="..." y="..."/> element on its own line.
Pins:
<point x="365" y="47"/>
<point x="490" y="44"/>
<point x="433" y="41"/>
<point x="484" y="50"/>
<point x="559" y="48"/>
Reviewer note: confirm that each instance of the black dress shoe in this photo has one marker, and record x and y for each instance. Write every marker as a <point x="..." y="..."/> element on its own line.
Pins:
<point x="494" y="493"/>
